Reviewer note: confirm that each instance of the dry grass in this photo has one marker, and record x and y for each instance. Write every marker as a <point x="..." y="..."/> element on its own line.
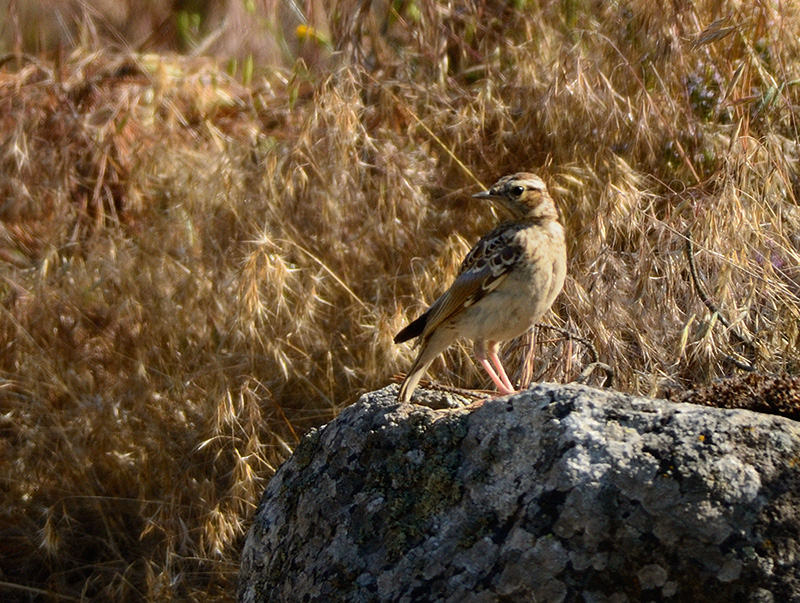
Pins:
<point x="194" y="271"/>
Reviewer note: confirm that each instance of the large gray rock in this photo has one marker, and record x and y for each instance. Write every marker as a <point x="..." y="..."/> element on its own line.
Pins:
<point x="561" y="493"/>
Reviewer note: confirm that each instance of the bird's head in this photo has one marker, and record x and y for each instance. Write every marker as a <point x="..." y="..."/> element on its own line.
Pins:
<point x="524" y="194"/>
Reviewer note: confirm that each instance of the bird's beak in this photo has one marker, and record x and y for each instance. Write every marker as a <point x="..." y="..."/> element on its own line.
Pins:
<point x="486" y="195"/>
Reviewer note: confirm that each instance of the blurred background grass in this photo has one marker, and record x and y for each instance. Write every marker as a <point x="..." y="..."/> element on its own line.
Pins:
<point x="215" y="215"/>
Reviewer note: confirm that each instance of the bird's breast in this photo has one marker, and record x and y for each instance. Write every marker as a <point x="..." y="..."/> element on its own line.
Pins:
<point x="526" y="294"/>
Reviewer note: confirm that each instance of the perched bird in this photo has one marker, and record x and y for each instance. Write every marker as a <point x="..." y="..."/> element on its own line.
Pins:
<point x="509" y="279"/>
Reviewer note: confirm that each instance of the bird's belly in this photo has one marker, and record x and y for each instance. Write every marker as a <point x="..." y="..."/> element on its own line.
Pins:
<point x="514" y="307"/>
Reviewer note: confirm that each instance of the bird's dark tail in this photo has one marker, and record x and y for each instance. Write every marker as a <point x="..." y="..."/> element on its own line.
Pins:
<point x="412" y="330"/>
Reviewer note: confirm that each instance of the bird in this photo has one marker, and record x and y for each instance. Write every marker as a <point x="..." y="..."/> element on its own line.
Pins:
<point x="506" y="283"/>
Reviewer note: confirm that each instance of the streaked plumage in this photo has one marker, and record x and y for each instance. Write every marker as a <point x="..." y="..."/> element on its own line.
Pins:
<point x="506" y="283"/>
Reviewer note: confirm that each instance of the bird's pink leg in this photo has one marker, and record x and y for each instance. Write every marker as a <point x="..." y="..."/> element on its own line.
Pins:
<point x="501" y="372"/>
<point x="503" y="388"/>
<point x="501" y="381"/>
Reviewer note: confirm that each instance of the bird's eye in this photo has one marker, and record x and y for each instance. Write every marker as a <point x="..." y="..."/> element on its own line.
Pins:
<point x="517" y="191"/>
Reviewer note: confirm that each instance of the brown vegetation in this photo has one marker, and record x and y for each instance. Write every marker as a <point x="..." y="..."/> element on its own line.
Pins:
<point x="770" y="394"/>
<point x="195" y="270"/>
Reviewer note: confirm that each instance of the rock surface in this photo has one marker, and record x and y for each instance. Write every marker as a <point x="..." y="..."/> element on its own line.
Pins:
<point x="560" y="493"/>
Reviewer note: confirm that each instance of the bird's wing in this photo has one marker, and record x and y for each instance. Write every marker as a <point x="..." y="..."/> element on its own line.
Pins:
<point x="486" y="266"/>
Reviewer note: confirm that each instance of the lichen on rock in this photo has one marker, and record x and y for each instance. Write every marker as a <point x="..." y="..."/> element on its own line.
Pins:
<point x="560" y="493"/>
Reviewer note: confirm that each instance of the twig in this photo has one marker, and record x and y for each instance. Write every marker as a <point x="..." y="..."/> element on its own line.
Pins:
<point x="475" y="394"/>
<point x="570" y="335"/>
<point x="33" y="591"/>
<point x="714" y="309"/>
<point x="586" y="372"/>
